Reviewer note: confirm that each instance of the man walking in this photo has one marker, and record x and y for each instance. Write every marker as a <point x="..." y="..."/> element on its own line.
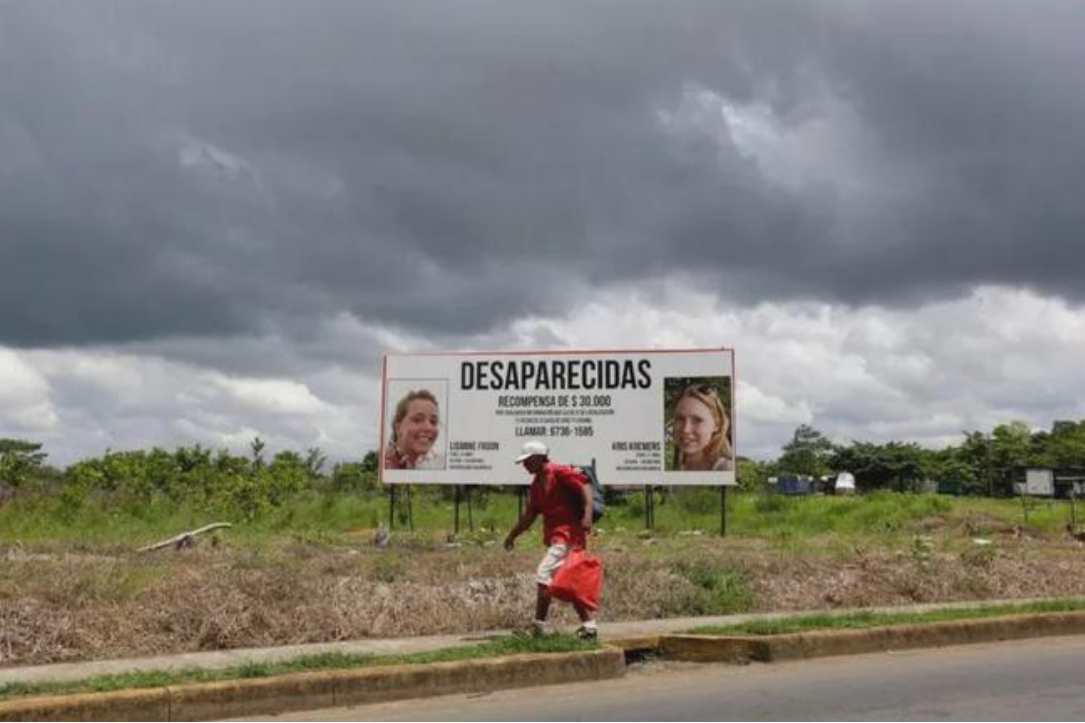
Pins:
<point x="563" y="496"/>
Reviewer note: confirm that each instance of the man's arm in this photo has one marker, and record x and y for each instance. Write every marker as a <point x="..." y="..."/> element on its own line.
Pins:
<point x="588" y="493"/>
<point x="522" y="525"/>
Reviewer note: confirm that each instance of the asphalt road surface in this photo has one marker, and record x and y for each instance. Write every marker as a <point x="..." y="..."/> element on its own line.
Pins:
<point x="1041" y="679"/>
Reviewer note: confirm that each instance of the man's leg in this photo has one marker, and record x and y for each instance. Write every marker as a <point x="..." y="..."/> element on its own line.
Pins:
<point x="542" y="603"/>
<point x="585" y="614"/>
<point x="544" y="575"/>
<point x="588" y="629"/>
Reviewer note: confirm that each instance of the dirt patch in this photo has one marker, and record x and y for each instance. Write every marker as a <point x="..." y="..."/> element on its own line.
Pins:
<point x="58" y="606"/>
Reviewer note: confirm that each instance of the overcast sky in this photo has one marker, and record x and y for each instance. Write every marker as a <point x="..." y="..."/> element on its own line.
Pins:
<point x="216" y="216"/>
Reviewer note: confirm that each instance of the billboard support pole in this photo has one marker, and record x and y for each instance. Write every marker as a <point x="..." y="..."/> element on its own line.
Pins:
<point x="654" y="506"/>
<point x="470" y="513"/>
<point x="519" y="502"/>
<point x="456" y="513"/>
<point x="649" y="505"/>
<point x="723" y="510"/>
<point x="410" y="508"/>
<point x="391" y="507"/>
<point x="1073" y="512"/>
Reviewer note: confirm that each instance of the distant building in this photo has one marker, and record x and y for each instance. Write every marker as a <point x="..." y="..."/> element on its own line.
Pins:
<point x="1048" y="482"/>
<point x="796" y="484"/>
<point x="844" y="484"/>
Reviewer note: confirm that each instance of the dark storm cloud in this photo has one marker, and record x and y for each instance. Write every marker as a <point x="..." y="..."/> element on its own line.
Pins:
<point x="223" y="168"/>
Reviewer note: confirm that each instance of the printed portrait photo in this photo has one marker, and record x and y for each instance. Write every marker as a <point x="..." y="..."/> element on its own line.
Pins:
<point x="697" y="424"/>
<point x="414" y="435"/>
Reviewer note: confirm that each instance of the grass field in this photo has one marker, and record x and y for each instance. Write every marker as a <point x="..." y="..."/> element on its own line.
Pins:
<point x="74" y="586"/>
<point x="326" y="517"/>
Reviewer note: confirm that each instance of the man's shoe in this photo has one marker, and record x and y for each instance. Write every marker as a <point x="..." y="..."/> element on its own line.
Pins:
<point x="535" y="629"/>
<point x="586" y="633"/>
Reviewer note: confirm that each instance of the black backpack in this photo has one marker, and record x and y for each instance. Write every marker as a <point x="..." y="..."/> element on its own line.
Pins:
<point x="598" y="504"/>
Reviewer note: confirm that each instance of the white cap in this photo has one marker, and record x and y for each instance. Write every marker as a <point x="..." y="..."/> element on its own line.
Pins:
<point x="530" y="449"/>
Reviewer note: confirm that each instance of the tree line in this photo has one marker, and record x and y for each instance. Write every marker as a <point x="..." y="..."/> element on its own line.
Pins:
<point x="983" y="463"/>
<point x="241" y="486"/>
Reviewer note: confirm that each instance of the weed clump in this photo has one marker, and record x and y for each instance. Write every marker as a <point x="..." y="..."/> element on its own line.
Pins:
<point x="716" y="589"/>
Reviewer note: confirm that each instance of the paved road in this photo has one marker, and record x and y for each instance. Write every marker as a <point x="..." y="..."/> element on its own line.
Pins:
<point x="1026" y="680"/>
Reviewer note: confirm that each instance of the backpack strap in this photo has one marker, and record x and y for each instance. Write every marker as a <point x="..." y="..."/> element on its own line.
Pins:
<point x="575" y="498"/>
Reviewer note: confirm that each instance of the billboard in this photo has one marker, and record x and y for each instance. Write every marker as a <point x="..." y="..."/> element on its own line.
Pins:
<point x="662" y="417"/>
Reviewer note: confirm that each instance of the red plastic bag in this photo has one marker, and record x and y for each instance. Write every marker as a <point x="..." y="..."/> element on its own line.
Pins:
<point x="579" y="580"/>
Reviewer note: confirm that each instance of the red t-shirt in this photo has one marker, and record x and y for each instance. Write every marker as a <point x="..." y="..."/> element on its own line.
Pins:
<point x="559" y="498"/>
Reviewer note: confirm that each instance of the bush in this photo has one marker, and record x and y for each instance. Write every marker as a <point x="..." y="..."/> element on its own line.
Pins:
<point x="717" y="589"/>
<point x="768" y="501"/>
<point x="353" y="477"/>
<point x="241" y="495"/>
<point x="229" y="485"/>
<point x="696" y="500"/>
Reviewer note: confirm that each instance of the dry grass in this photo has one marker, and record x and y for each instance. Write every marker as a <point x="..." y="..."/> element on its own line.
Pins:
<point x="58" y="605"/>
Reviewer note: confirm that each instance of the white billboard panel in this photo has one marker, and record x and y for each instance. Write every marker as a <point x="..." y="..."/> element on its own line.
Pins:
<point x="1039" y="482"/>
<point x="645" y="417"/>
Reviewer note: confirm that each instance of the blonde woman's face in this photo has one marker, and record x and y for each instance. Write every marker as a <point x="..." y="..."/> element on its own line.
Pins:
<point x="694" y="426"/>
<point x="417" y="431"/>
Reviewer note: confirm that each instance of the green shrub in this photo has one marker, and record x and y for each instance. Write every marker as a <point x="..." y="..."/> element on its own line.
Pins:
<point x="717" y="589"/>
<point x="979" y="556"/>
<point x="696" y="500"/>
<point x="768" y="501"/>
<point x="353" y="477"/>
<point x="387" y="567"/>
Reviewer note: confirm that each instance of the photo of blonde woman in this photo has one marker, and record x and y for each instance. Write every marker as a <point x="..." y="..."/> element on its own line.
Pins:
<point x="698" y="426"/>
<point x="414" y="434"/>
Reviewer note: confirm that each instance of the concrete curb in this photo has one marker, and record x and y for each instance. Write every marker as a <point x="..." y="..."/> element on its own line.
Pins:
<point x="637" y="643"/>
<point x="226" y="699"/>
<point x="818" y="644"/>
<point x="360" y="686"/>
